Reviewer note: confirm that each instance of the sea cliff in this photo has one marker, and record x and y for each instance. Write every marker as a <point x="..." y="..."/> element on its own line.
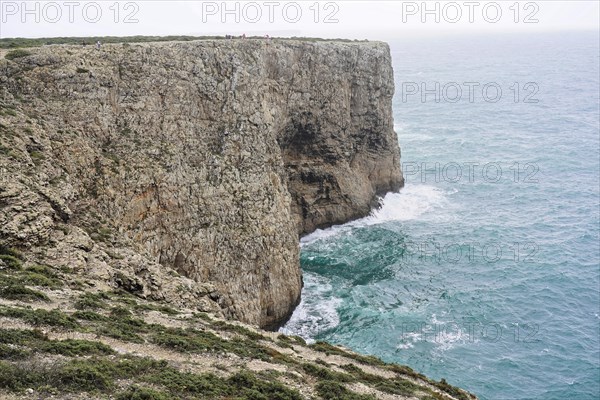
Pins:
<point x="201" y="159"/>
<point x="150" y="191"/>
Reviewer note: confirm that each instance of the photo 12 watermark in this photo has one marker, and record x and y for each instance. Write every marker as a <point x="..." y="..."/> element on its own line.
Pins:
<point x="469" y="252"/>
<point x="254" y="12"/>
<point x="205" y="13"/>
<point x="468" y="332"/>
<point x="60" y="12"/>
<point x="452" y="12"/>
<point x="471" y="172"/>
<point x="471" y="92"/>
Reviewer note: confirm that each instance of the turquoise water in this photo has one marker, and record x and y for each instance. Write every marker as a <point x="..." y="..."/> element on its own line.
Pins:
<point x="490" y="281"/>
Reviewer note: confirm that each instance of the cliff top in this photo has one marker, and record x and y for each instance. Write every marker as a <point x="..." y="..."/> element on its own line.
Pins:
<point x="13" y="48"/>
<point x="11" y="43"/>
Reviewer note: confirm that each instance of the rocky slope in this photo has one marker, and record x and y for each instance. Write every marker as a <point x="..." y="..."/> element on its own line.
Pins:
<point x="60" y="339"/>
<point x="184" y="172"/>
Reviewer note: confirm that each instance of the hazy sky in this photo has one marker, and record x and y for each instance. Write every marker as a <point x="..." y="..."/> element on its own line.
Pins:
<point x="348" y="19"/>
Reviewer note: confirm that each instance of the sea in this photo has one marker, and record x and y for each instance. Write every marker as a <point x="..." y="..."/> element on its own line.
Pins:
<point x="484" y="269"/>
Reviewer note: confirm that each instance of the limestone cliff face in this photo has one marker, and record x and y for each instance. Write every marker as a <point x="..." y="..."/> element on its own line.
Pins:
<point x="339" y="146"/>
<point x="206" y="157"/>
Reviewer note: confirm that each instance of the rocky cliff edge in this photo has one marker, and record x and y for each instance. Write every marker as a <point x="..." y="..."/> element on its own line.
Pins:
<point x="185" y="171"/>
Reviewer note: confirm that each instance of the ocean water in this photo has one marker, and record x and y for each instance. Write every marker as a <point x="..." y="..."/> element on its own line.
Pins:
<point x="491" y="278"/>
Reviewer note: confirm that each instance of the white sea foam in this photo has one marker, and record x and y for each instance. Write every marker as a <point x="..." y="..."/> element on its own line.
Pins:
<point x="442" y="334"/>
<point x="316" y="313"/>
<point x="410" y="203"/>
<point x="408" y="340"/>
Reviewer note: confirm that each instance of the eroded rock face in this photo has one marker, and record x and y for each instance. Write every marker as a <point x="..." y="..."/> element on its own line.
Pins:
<point x="206" y="157"/>
<point x="339" y="146"/>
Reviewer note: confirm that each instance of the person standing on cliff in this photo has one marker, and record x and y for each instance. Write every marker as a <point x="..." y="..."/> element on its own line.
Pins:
<point x="98" y="45"/>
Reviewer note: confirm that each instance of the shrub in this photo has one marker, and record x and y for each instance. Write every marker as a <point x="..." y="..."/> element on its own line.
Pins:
<point x="11" y="261"/>
<point x="75" y="347"/>
<point x="18" y="53"/>
<point x="152" y="307"/>
<point x="100" y="375"/>
<point x="8" y="352"/>
<point x="331" y="349"/>
<point x="395" y="385"/>
<point x="17" y="377"/>
<point x="325" y="374"/>
<point x="121" y="325"/>
<point x="451" y="390"/>
<point x="37" y="157"/>
<point x="140" y="393"/>
<point x="38" y="342"/>
<point x="41" y="317"/>
<point x="120" y="312"/>
<point x="78" y="376"/>
<point x="291" y="339"/>
<point x="330" y="390"/>
<point x="91" y="301"/>
<point x="20" y="292"/>
<point x="188" y="340"/>
<point x="207" y="385"/>
<point x="90" y="316"/>
<point x="11" y="252"/>
<point x="249" y="385"/>
<point x="20" y="336"/>
<point x="40" y="275"/>
<point x="224" y="326"/>
<point x="86" y="375"/>
<point x="243" y="385"/>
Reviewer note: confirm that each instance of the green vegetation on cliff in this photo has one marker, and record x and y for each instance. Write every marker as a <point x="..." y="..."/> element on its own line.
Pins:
<point x="89" y="347"/>
<point x="17" y="43"/>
